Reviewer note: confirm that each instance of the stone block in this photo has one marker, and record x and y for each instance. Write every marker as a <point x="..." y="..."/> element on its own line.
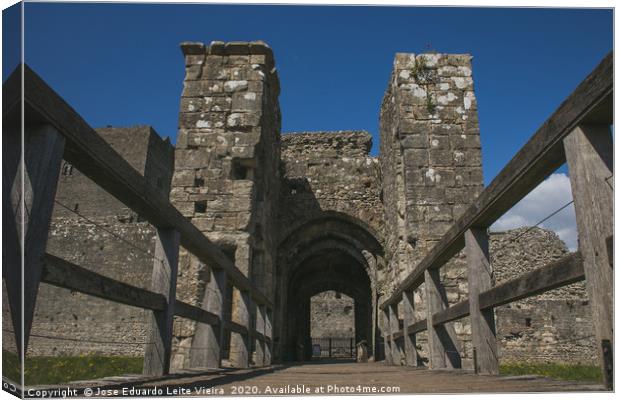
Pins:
<point x="193" y="72"/>
<point x="440" y="143"/>
<point x="191" y="158"/>
<point x="411" y="126"/>
<point x="459" y="142"/>
<point x="414" y="158"/>
<point x="237" y="60"/>
<point x="235" y="86"/>
<point x="237" y="48"/>
<point x="218" y="104"/>
<point x="246" y="101"/>
<point x="415" y="141"/>
<point x="243" y="120"/>
<point x="440" y="158"/>
<point x="404" y="61"/>
<point x="440" y="212"/>
<point x="217" y="47"/>
<point x="183" y="178"/>
<point x="446" y="129"/>
<point x="193" y="48"/>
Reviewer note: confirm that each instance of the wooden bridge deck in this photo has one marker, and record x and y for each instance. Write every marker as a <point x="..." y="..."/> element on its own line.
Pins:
<point x="338" y="378"/>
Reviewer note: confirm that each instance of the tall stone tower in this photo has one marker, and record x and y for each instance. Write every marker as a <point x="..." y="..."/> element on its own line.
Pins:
<point x="226" y="176"/>
<point x="430" y="158"/>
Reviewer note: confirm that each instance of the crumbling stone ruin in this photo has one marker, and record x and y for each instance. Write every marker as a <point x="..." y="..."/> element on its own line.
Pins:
<point x="305" y="216"/>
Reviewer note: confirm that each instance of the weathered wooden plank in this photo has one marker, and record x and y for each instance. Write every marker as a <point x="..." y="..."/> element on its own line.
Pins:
<point x="457" y="311"/>
<point x="411" y="354"/>
<point x="259" y="338"/>
<point x="589" y="153"/>
<point x="185" y="310"/>
<point x="387" y="335"/>
<point x="562" y="272"/>
<point x="236" y="327"/>
<point x="268" y="335"/>
<point x="419" y="326"/>
<point x="394" y="327"/>
<point x="208" y="338"/>
<point x="158" y="349"/>
<point x="416" y="327"/>
<point x="43" y="149"/>
<point x="539" y="157"/>
<point x="11" y="202"/>
<point x="239" y="337"/>
<point x="442" y="341"/>
<point x="96" y="159"/>
<point x="62" y="273"/>
<point x="479" y="279"/>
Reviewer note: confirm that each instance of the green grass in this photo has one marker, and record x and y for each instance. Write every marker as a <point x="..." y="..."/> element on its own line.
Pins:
<point x="569" y="372"/>
<point x="56" y="370"/>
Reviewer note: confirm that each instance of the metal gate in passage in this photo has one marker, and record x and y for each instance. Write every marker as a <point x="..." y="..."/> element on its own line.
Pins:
<point x="333" y="347"/>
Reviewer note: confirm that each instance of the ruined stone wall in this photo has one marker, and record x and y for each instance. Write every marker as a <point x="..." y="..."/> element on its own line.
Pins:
<point x="554" y="326"/>
<point x="329" y="171"/>
<point x="226" y="172"/>
<point x="112" y="242"/>
<point x="332" y="315"/>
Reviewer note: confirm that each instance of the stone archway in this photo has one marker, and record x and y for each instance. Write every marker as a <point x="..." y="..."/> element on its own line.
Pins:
<point x="334" y="252"/>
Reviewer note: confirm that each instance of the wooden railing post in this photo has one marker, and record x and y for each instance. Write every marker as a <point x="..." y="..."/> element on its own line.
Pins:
<point x="589" y="154"/>
<point x="43" y="151"/>
<point x="393" y="312"/>
<point x="387" y="335"/>
<point x="268" y="335"/>
<point x="164" y="281"/>
<point x="208" y="339"/>
<point x="411" y="353"/>
<point x="260" y="343"/>
<point x="239" y="343"/>
<point x="442" y="341"/>
<point x="480" y="279"/>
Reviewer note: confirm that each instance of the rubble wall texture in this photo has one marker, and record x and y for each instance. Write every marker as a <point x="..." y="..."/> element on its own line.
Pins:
<point x="107" y="238"/>
<point x="226" y="173"/>
<point x="332" y="316"/>
<point x="329" y="171"/>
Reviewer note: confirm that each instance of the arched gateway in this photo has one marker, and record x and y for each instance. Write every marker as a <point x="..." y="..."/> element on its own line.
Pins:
<point x="333" y="252"/>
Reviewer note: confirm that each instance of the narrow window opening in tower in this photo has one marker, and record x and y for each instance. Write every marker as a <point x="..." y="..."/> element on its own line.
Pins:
<point x="241" y="171"/>
<point x="200" y="207"/>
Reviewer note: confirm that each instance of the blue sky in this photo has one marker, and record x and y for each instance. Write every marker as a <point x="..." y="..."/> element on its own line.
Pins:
<point x="120" y="64"/>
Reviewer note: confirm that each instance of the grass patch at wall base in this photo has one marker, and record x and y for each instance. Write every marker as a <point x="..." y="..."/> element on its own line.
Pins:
<point x="570" y="372"/>
<point x="63" y="369"/>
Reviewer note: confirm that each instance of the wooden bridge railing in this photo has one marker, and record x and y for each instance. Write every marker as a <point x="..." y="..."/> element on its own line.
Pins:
<point x="53" y="131"/>
<point x="578" y="133"/>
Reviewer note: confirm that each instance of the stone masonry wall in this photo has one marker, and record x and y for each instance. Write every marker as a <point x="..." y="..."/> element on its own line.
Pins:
<point x="120" y="246"/>
<point x="431" y="163"/>
<point x="226" y="172"/>
<point x="329" y="171"/>
<point x="332" y="315"/>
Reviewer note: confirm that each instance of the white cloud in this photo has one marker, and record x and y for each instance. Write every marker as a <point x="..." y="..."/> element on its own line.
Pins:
<point x="551" y="194"/>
